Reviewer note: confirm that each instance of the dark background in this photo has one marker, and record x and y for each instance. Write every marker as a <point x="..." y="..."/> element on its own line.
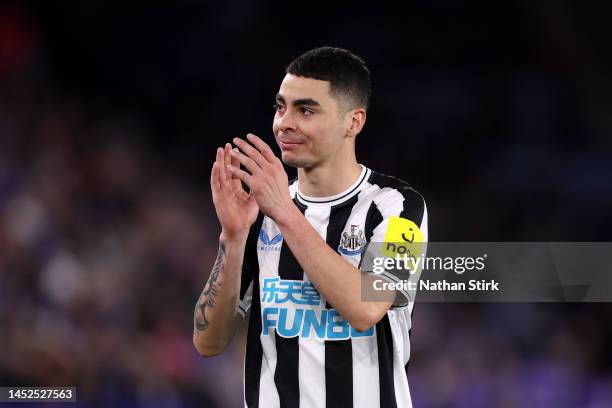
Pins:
<point x="499" y="114"/>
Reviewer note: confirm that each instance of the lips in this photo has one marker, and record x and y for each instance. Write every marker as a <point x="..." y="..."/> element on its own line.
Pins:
<point x="288" y="144"/>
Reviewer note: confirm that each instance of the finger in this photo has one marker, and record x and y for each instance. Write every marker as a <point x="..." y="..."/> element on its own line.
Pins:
<point x="263" y="147"/>
<point x="221" y="167"/>
<point x="236" y="163"/>
<point x="243" y="195"/>
<point x="241" y="174"/>
<point x="250" y="151"/>
<point x="227" y="160"/>
<point x="214" y="178"/>
<point x="246" y="161"/>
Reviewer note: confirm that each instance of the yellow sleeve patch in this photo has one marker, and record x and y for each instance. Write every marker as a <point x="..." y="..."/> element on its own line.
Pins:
<point x="402" y="237"/>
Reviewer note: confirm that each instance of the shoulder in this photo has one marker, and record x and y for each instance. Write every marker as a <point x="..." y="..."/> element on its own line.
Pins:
<point x="389" y="189"/>
<point x="393" y="197"/>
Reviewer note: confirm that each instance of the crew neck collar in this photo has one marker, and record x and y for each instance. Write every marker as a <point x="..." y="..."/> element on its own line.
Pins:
<point x="336" y="199"/>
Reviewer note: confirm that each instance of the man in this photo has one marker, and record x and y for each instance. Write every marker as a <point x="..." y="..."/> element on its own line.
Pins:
<point x="290" y="255"/>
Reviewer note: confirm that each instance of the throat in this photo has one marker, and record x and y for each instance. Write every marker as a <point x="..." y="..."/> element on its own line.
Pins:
<point x="320" y="183"/>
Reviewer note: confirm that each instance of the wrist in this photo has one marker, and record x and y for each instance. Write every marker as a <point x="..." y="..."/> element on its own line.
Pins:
<point x="287" y="216"/>
<point x="235" y="238"/>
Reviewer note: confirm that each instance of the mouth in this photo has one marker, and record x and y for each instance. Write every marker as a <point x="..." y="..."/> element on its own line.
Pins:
<point x="288" y="145"/>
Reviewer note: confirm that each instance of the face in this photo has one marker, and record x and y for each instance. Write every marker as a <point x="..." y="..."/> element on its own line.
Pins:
<point x="309" y="125"/>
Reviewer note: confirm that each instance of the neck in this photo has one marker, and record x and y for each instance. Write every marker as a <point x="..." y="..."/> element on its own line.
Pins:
<point x="330" y="178"/>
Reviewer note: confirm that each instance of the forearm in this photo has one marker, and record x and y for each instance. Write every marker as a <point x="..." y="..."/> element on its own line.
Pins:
<point x="335" y="278"/>
<point x="216" y="316"/>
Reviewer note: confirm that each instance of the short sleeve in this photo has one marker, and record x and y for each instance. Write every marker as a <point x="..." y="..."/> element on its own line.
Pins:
<point x="401" y="228"/>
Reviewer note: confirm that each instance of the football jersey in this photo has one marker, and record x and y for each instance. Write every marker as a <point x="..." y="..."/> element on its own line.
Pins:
<point x="300" y="351"/>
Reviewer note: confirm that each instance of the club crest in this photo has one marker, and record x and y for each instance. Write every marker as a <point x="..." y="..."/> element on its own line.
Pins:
<point x="352" y="243"/>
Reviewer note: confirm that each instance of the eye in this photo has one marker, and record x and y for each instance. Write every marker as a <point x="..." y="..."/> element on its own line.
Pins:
<point x="306" y="112"/>
<point x="278" y="107"/>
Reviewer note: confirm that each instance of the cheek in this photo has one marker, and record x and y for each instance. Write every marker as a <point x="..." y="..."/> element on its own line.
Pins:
<point x="275" y="124"/>
<point x="323" y="135"/>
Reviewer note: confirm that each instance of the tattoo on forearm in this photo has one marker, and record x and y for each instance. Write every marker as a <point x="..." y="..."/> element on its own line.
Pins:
<point x="207" y="298"/>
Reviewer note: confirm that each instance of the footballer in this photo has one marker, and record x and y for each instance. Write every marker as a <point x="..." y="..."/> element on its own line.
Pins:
<point x="289" y="252"/>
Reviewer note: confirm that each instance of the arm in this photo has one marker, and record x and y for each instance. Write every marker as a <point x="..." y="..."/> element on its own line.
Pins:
<point x="216" y="315"/>
<point x="342" y="288"/>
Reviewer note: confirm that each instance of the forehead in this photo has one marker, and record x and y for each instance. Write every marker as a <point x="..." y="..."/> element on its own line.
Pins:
<point x="294" y="87"/>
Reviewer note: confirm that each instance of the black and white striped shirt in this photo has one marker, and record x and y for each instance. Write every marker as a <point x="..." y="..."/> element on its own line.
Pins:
<point x="300" y="351"/>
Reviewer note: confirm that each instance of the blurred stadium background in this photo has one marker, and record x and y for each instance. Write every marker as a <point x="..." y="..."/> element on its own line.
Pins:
<point x="499" y="113"/>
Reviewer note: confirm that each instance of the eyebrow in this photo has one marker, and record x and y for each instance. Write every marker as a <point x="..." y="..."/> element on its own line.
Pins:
<point x="299" y="102"/>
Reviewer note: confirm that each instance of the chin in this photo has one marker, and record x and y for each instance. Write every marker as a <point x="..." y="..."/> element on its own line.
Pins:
<point x="297" y="162"/>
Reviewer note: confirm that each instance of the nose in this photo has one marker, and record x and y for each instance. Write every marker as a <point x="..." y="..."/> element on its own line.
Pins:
<point x="286" y="122"/>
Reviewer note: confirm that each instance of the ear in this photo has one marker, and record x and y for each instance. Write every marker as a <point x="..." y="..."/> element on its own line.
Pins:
<point x="357" y="119"/>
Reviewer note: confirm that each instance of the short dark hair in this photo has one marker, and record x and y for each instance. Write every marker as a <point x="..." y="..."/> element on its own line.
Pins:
<point x="348" y="75"/>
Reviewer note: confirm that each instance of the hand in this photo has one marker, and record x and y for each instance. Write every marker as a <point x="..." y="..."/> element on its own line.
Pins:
<point x="236" y="209"/>
<point x="267" y="180"/>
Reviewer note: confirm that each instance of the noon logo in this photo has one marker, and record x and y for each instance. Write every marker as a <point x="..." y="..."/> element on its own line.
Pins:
<point x="403" y="236"/>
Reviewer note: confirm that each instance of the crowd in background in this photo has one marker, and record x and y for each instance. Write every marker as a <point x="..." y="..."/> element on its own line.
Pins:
<point x="108" y="128"/>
